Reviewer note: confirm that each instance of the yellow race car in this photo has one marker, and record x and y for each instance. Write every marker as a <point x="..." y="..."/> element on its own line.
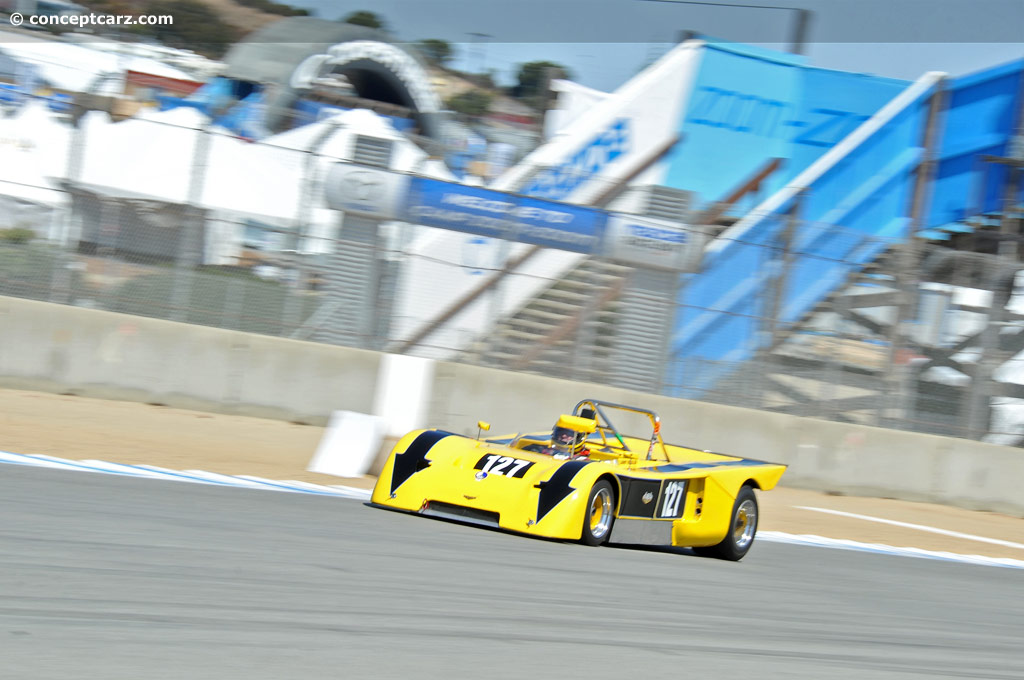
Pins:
<point x="585" y="481"/>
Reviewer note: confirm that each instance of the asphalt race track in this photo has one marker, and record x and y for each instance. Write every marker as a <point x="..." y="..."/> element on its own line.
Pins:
<point x="110" y="577"/>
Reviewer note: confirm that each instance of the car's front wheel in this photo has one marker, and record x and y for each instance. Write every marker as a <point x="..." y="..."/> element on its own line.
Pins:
<point x="742" y="529"/>
<point x="600" y="512"/>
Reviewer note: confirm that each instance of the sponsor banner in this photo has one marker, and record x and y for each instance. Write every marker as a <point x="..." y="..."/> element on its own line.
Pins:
<point x="652" y="243"/>
<point x="362" y="190"/>
<point x="472" y="210"/>
<point x="494" y="214"/>
<point x="556" y="225"/>
<point x="631" y="239"/>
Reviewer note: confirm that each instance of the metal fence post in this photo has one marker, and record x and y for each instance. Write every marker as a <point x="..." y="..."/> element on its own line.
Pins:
<point x="779" y="261"/>
<point x="496" y="295"/>
<point x="979" y="399"/>
<point x="190" y="247"/>
<point x="900" y="373"/>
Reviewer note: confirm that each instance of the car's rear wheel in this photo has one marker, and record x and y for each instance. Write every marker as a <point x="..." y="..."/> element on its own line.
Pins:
<point x="600" y="514"/>
<point x="742" y="529"/>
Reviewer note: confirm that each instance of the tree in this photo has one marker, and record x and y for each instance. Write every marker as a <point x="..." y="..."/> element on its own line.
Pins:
<point x="470" y="103"/>
<point x="534" y="78"/>
<point x="365" y="18"/>
<point x="17" y="235"/>
<point x="272" y="7"/>
<point x="437" y="52"/>
<point x="196" y="26"/>
<point x="487" y="80"/>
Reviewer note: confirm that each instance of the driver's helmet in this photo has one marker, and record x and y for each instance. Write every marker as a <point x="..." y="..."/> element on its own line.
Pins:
<point x="567" y="441"/>
<point x="569" y="435"/>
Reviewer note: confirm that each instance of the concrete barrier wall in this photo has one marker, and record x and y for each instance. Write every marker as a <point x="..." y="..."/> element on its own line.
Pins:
<point x="822" y="455"/>
<point x="93" y="353"/>
<point x="101" y="354"/>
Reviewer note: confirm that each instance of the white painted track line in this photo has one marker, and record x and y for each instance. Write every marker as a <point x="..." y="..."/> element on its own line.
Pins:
<point x="918" y="527"/>
<point x="882" y="549"/>
<point x="192" y="476"/>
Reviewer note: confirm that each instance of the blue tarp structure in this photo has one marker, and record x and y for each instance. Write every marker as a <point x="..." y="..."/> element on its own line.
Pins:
<point x="979" y="120"/>
<point x="232" y="105"/>
<point x="11" y="94"/>
<point x="749" y="107"/>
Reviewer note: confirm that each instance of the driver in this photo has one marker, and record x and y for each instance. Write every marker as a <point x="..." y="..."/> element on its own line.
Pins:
<point x="569" y="437"/>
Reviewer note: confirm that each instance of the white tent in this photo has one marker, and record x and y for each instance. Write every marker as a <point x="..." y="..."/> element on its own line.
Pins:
<point x="75" y="68"/>
<point x="178" y="157"/>
<point x="157" y="154"/>
<point x="139" y="155"/>
<point x="33" y="155"/>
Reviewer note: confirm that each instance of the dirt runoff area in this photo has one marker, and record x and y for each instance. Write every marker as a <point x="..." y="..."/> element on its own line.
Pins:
<point x="80" y="428"/>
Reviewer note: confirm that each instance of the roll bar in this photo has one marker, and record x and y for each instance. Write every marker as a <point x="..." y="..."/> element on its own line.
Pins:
<point x="606" y="427"/>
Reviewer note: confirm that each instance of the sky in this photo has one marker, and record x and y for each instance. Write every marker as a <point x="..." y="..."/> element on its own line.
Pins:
<point x="606" y="42"/>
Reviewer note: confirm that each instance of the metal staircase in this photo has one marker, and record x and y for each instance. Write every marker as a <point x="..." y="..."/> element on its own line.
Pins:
<point x="565" y="331"/>
<point x="834" y="361"/>
<point x="568" y="329"/>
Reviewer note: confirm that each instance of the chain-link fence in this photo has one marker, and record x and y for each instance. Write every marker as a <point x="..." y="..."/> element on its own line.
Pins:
<point x="934" y="349"/>
<point x="177" y="221"/>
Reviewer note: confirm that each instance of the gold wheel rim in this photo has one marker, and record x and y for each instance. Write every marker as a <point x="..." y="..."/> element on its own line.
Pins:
<point x="746" y="524"/>
<point x="600" y="513"/>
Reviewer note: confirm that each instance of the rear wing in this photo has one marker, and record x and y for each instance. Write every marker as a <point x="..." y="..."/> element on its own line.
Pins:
<point x="598" y="410"/>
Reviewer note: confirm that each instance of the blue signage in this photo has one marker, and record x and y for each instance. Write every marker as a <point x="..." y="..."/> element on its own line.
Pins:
<point x="485" y="212"/>
<point x="10" y="94"/>
<point x="59" y="103"/>
<point x="652" y="243"/>
<point x="640" y="232"/>
<point x="560" y="181"/>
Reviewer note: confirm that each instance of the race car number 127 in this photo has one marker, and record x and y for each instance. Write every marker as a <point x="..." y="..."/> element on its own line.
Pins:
<point x="494" y="464"/>
<point x="672" y="499"/>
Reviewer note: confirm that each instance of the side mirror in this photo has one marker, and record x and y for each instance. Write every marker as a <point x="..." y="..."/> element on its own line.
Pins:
<point x="482" y="427"/>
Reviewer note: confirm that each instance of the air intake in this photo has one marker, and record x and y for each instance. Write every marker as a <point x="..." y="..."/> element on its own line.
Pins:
<point x="667" y="203"/>
<point x="461" y="513"/>
<point x="372" y="151"/>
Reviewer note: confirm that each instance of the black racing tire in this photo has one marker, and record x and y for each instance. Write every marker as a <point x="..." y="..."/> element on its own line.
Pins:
<point x="742" y="529"/>
<point x="599" y="515"/>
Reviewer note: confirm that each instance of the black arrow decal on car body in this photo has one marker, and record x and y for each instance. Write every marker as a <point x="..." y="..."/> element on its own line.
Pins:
<point x="414" y="458"/>
<point x="557" y="487"/>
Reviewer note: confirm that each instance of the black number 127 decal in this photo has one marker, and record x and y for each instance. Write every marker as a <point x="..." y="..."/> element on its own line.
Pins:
<point x="496" y="464"/>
